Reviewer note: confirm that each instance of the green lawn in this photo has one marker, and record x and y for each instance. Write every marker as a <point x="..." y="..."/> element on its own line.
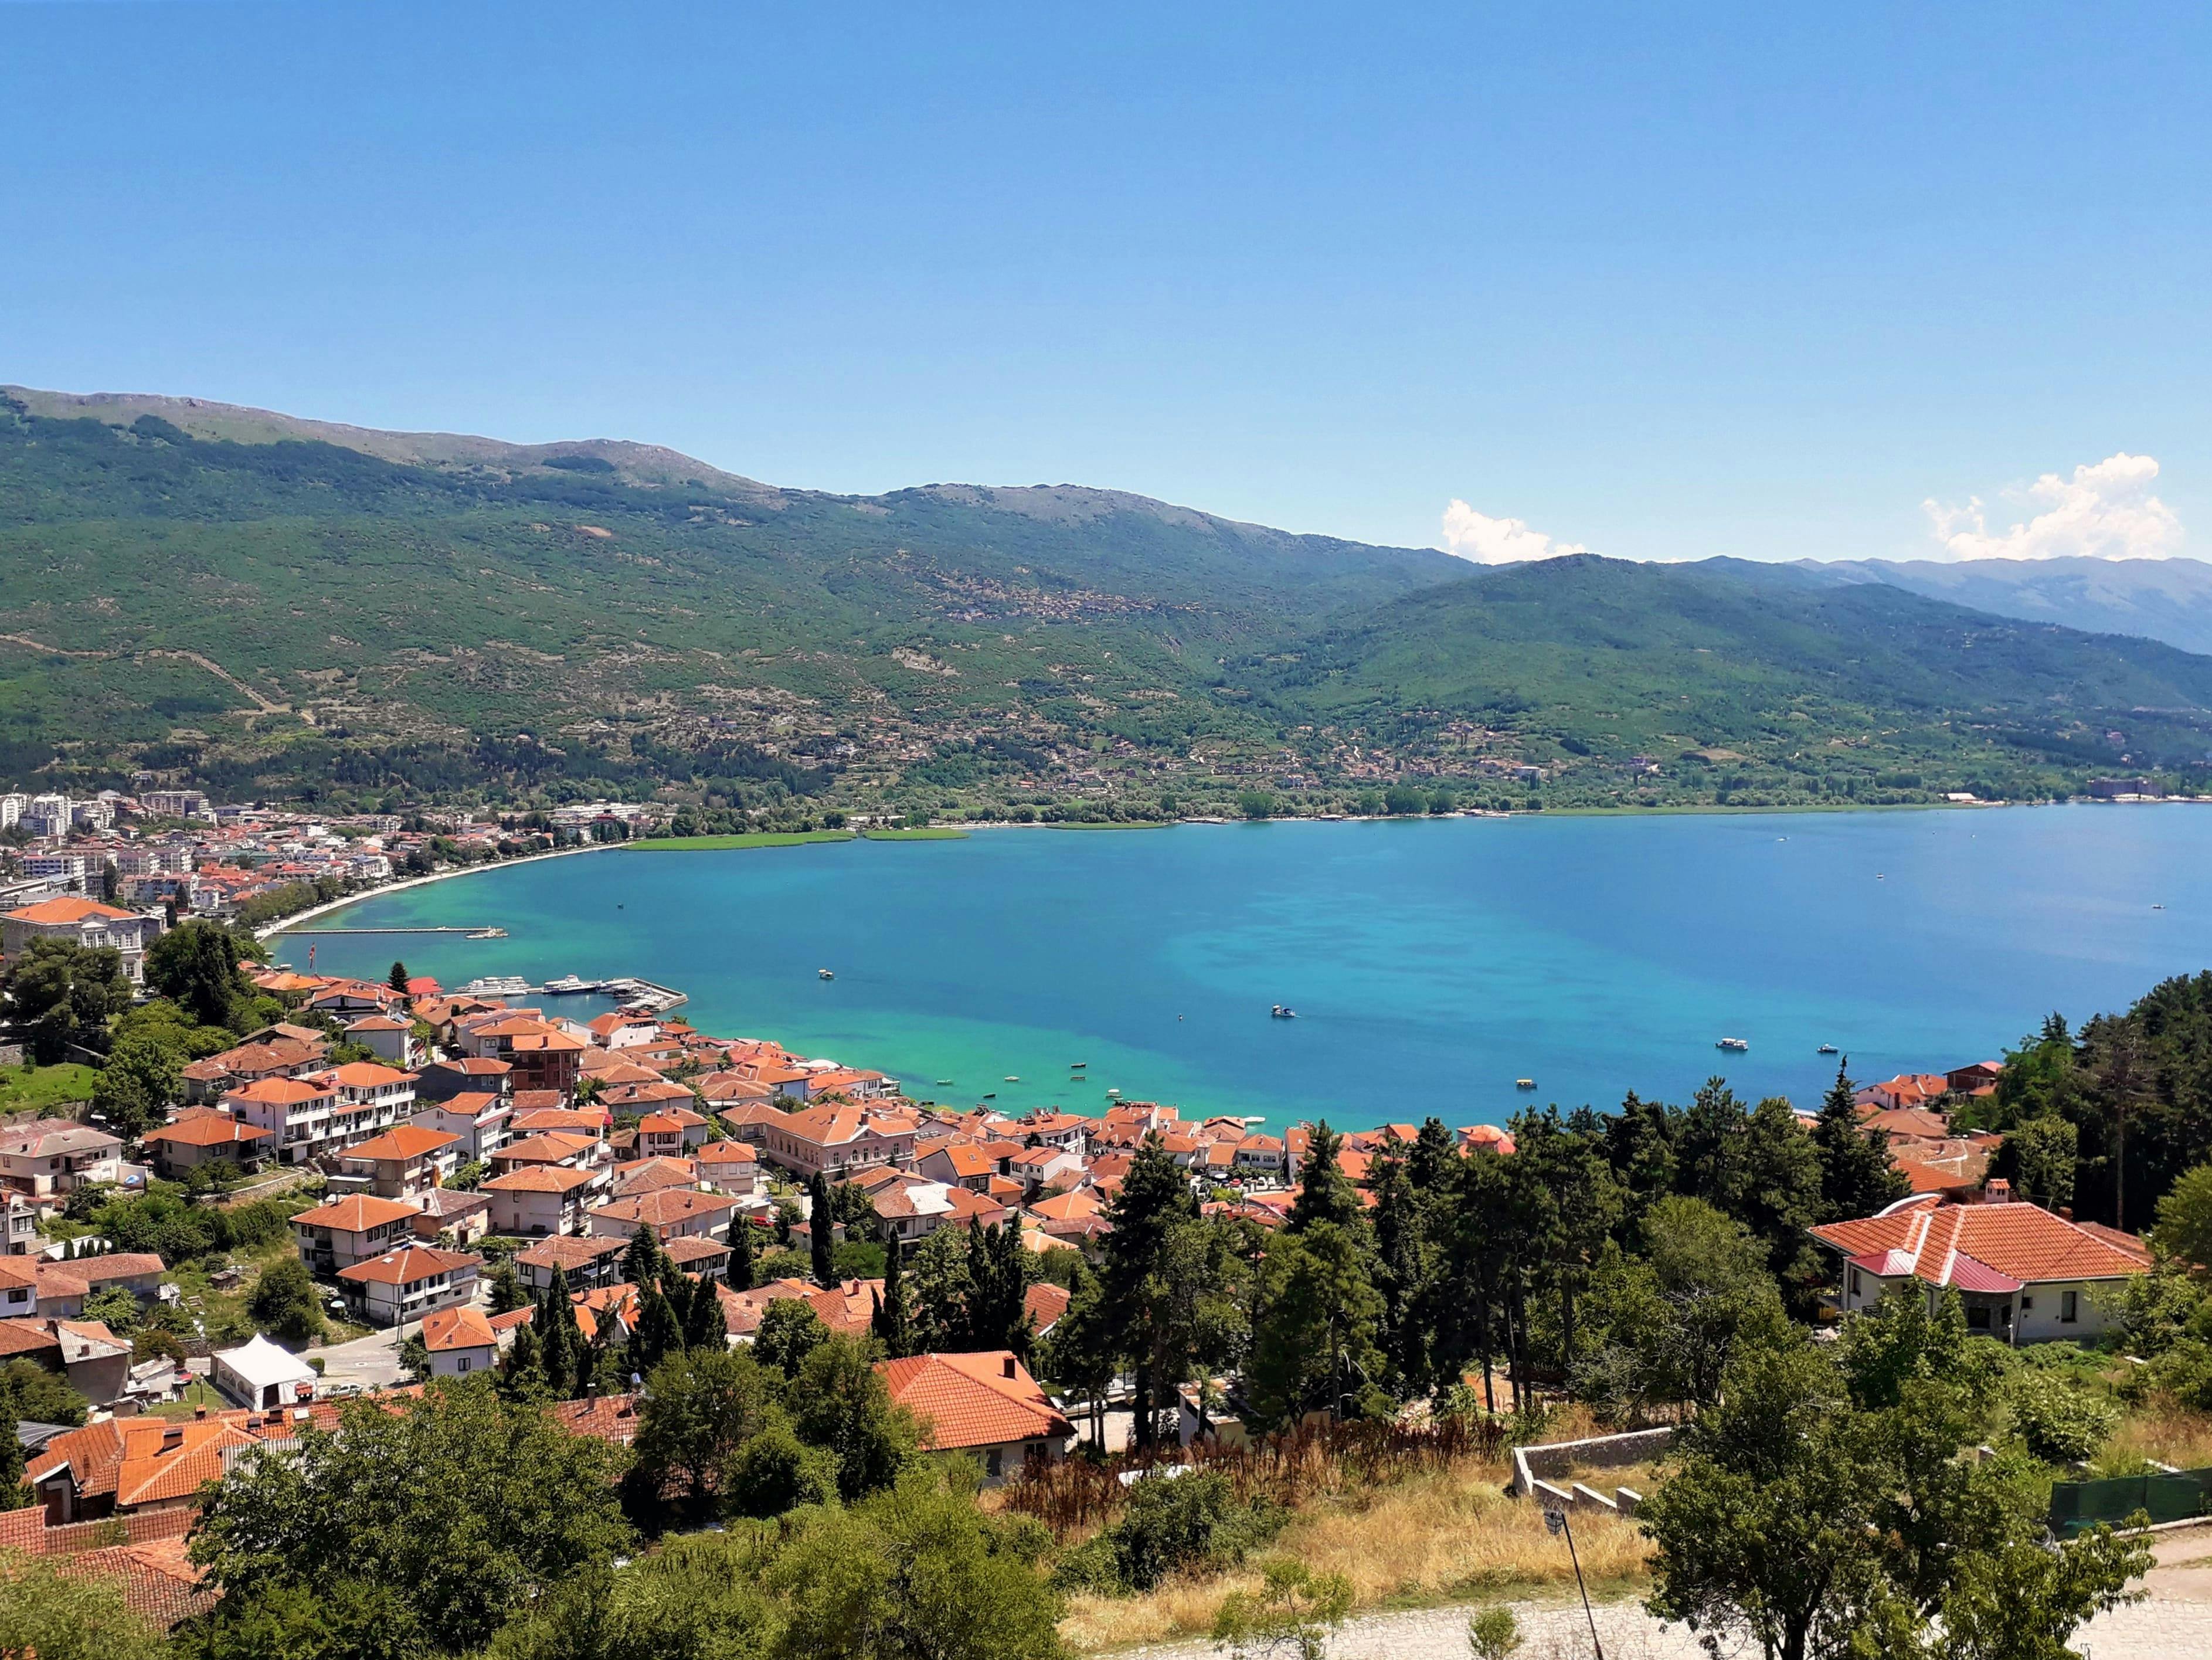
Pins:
<point x="754" y="839"/>
<point x="33" y="1088"/>
<point x="935" y="833"/>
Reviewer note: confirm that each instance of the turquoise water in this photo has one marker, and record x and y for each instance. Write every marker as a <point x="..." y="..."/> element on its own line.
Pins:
<point x="1432" y="963"/>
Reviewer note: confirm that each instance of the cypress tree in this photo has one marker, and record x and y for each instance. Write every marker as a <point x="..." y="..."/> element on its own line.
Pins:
<point x="1856" y="1177"/>
<point x="641" y="1258"/>
<point x="704" y="1328"/>
<point x="555" y="1355"/>
<point x="744" y="1266"/>
<point x="820" y="1224"/>
<point x="890" y="1321"/>
<point x="659" y="1333"/>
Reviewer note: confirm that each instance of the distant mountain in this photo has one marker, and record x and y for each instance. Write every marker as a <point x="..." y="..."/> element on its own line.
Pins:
<point x="283" y="608"/>
<point x="2168" y="600"/>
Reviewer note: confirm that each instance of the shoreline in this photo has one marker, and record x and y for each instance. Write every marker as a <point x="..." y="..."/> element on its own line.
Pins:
<point x="291" y="924"/>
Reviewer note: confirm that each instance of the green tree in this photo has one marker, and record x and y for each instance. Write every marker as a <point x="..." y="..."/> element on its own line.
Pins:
<point x="944" y="1288"/>
<point x="1325" y="1192"/>
<point x="141" y="1077"/>
<point x="62" y="993"/>
<point x="1255" y="803"/>
<point x="775" y="1472"/>
<point x="398" y="978"/>
<point x="917" y="1574"/>
<point x="789" y="1331"/>
<point x="2185" y="1219"/>
<point x="743" y="1272"/>
<point x="505" y="1290"/>
<point x="1313" y="1331"/>
<point x="821" y="1231"/>
<point x="695" y="1598"/>
<point x="196" y="966"/>
<point x="1292" y="1613"/>
<point x="841" y="1404"/>
<point x="705" y="1325"/>
<point x="284" y="1303"/>
<point x="893" y="1329"/>
<point x="1153" y="1201"/>
<point x="2038" y="1158"/>
<point x="114" y="1308"/>
<point x="454" y="1510"/>
<point x="1857" y="1177"/>
<point x="700" y="1409"/>
<point x="55" y="1614"/>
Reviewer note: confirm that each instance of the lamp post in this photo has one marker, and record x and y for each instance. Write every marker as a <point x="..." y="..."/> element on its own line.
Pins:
<point x="1556" y="1521"/>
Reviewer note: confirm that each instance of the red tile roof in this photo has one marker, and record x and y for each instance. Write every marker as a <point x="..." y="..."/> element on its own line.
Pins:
<point x="982" y="1400"/>
<point x="407" y="1265"/>
<point x="355" y="1213"/>
<point x="447" y="1329"/>
<point x="2016" y="1240"/>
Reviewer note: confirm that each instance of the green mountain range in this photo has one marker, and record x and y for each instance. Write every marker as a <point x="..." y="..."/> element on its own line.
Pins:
<point x="278" y="608"/>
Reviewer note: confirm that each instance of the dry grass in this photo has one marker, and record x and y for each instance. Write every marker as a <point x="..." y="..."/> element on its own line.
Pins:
<point x="1431" y="1537"/>
<point x="2161" y="1429"/>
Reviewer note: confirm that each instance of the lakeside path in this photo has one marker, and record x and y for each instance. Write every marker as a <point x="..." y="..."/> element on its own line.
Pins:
<point x="291" y="924"/>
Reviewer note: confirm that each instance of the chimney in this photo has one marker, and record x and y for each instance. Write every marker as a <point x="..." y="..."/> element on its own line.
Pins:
<point x="1010" y="1365"/>
<point x="200" y="1412"/>
<point x="1998" y="1192"/>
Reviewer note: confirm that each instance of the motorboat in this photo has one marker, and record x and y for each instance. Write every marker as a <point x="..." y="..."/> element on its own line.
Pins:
<point x="568" y="985"/>
<point x="1278" y="1012"/>
<point x="1826" y="1048"/>
<point x="823" y="974"/>
<point x="1736" y="1045"/>
<point x="1524" y="1083"/>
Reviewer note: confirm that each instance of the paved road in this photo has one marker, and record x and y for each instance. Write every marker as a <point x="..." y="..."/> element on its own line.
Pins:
<point x="370" y="1362"/>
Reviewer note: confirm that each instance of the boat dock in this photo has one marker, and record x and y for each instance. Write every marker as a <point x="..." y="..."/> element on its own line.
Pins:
<point x="310" y="934"/>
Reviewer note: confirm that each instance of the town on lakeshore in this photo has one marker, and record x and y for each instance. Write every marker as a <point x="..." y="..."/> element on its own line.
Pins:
<point x="440" y="1174"/>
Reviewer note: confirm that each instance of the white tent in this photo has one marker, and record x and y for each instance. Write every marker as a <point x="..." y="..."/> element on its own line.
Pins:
<point x="261" y="1375"/>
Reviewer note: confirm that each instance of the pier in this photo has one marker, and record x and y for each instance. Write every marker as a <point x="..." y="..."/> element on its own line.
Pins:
<point x="310" y="934"/>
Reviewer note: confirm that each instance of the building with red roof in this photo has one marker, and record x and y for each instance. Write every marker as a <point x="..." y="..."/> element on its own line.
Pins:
<point x="2024" y="1274"/>
<point x="986" y="1405"/>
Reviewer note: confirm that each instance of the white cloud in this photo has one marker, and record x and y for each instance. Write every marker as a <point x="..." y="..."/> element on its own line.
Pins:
<point x="1487" y="541"/>
<point x="2106" y="510"/>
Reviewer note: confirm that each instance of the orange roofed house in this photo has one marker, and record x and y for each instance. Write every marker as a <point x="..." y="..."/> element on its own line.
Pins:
<point x="2024" y="1274"/>
<point x="85" y="922"/>
<point x="985" y="1405"/>
<point x="838" y="1142"/>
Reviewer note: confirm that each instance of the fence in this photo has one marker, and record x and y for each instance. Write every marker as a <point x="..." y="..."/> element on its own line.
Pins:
<point x="2168" y="1498"/>
<point x="1284" y="1467"/>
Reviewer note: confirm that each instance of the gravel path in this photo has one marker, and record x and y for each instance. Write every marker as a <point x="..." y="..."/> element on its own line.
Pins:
<point x="2161" y="1628"/>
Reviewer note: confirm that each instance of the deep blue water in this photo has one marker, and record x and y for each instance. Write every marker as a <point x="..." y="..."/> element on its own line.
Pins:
<point x="1431" y="963"/>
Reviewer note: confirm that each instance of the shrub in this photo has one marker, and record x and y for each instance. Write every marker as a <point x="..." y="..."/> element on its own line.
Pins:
<point x="2058" y="1421"/>
<point x="1174" y="1524"/>
<point x="775" y="1472"/>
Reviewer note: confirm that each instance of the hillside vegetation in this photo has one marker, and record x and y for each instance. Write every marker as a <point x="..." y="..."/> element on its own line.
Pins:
<point x="278" y="608"/>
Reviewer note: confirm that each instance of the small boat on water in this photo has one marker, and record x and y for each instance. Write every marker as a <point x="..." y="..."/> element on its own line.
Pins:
<point x="569" y="984"/>
<point x="1012" y="1078"/>
<point x="1738" y="1045"/>
<point x="1113" y="1091"/>
<point x="1826" y="1048"/>
<point x="1524" y="1083"/>
<point x="488" y="933"/>
<point x="943" y="1083"/>
<point x="1077" y="1065"/>
<point x="1278" y="1012"/>
<point x="993" y="1096"/>
<point x="823" y="974"/>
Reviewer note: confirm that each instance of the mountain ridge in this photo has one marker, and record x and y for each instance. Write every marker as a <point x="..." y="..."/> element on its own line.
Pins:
<point x="278" y="615"/>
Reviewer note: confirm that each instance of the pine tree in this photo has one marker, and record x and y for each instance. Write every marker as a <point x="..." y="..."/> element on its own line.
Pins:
<point x="398" y="979"/>
<point x="1401" y="1257"/>
<point x="522" y="1369"/>
<point x="821" y="1225"/>
<point x="889" y="1322"/>
<point x="1154" y="1200"/>
<point x="1430" y="1164"/>
<point x="1325" y="1192"/>
<point x="1857" y="1177"/>
<point x="744" y="1265"/>
<point x="658" y="1333"/>
<point x="555" y="1357"/>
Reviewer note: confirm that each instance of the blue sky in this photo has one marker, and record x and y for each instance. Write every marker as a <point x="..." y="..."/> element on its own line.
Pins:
<point x="1659" y="281"/>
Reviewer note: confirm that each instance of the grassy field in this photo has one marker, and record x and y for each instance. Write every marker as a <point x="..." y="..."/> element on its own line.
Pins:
<point x="933" y="833"/>
<point x="1441" y="1537"/>
<point x="723" y="843"/>
<point x="33" y="1089"/>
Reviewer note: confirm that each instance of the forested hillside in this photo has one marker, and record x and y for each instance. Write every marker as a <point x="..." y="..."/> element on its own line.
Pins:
<point x="282" y="609"/>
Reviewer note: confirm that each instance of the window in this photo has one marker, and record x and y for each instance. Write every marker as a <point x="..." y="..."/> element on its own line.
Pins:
<point x="995" y="1463"/>
<point x="2069" y="1307"/>
<point x="464" y="1362"/>
<point x="1855" y="1284"/>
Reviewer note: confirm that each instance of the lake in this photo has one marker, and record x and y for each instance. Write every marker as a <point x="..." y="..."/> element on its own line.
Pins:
<point x="1431" y="963"/>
